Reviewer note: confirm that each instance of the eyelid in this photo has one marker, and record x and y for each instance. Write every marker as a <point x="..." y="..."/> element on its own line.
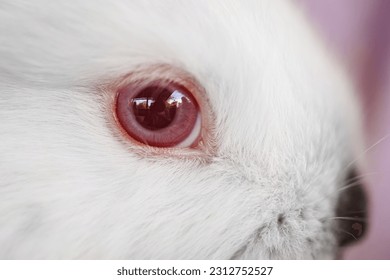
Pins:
<point x="148" y="74"/>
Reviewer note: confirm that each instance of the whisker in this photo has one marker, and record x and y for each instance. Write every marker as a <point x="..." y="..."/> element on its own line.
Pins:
<point x="356" y="212"/>
<point x="361" y="177"/>
<point x="348" y="219"/>
<point x="355" y="183"/>
<point x="346" y="187"/>
<point x="367" y="150"/>
<point x="348" y="233"/>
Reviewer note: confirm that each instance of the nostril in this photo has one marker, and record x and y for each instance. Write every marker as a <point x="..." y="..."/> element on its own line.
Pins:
<point x="281" y="219"/>
<point x="351" y="211"/>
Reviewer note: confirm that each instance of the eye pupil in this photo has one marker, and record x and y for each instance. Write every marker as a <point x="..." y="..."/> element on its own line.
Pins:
<point x="152" y="108"/>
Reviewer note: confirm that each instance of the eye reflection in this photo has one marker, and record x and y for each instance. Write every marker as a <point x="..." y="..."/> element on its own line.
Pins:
<point x="155" y="108"/>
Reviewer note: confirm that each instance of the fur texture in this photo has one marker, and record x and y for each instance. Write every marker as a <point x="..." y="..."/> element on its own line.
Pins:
<point x="284" y="123"/>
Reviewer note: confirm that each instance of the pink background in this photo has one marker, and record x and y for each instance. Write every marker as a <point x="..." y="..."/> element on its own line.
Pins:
<point x="359" y="33"/>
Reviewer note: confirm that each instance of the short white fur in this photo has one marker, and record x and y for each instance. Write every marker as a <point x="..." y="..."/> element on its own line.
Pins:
<point x="286" y="124"/>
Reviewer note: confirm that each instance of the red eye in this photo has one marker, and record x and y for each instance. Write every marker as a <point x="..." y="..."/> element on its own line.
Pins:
<point x="161" y="114"/>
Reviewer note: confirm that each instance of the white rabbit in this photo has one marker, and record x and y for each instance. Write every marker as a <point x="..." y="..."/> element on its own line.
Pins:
<point x="280" y="132"/>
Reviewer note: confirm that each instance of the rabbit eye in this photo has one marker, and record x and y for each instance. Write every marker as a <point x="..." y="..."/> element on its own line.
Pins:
<point x="160" y="114"/>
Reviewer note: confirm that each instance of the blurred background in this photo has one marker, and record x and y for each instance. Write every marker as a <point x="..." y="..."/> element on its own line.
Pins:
<point x="358" y="31"/>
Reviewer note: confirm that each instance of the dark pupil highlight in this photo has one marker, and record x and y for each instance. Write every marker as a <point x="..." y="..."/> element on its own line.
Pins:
<point x="155" y="107"/>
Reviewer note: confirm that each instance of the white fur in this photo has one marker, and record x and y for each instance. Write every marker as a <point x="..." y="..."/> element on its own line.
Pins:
<point x="285" y="125"/>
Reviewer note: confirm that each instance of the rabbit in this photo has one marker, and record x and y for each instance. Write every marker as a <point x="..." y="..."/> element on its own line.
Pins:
<point x="263" y="170"/>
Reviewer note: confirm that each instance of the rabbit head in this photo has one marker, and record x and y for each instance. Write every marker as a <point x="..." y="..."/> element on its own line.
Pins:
<point x="278" y="132"/>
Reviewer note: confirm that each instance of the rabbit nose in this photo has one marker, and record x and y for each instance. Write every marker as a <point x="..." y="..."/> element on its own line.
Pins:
<point x="351" y="211"/>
